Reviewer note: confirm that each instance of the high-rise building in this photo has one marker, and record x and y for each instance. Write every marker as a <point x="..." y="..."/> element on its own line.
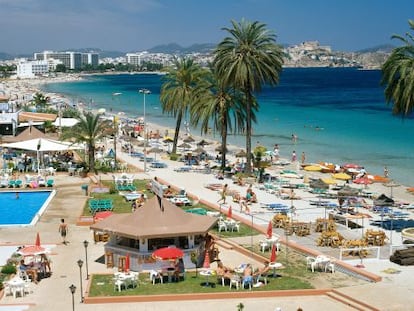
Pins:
<point x="71" y="60"/>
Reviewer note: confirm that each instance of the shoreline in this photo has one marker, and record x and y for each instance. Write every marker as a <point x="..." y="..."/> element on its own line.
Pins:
<point x="31" y="86"/>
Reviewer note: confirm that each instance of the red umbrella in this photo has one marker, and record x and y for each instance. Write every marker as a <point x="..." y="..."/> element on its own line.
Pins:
<point x="273" y="254"/>
<point x="351" y="165"/>
<point x="127" y="263"/>
<point x="37" y="242"/>
<point x="206" y="263"/>
<point x="33" y="250"/>
<point x="269" y="229"/>
<point x="102" y="215"/>
<point x="229" y="212"/>
<point x="168" y="253"/>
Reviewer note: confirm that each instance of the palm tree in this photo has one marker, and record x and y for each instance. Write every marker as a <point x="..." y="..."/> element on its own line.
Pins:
<point x="398" y="75"/>
<point x="246" y="60"/>
<point x="89" y="129"/>
<point x="220" y="104"/>
<point x="181" y="86"/>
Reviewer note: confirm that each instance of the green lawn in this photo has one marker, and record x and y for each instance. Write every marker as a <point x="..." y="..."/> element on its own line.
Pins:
<point x="122" y="206"/>
<point x="103" y="285"/>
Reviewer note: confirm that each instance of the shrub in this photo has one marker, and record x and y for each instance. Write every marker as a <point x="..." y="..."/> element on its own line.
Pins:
<point x="173" y="157"/>
<point x="8" y="269"/>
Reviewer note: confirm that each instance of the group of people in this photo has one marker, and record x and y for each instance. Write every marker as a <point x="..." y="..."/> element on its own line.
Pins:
<point x="249" y="275"/>
<point x="33" y="271"/>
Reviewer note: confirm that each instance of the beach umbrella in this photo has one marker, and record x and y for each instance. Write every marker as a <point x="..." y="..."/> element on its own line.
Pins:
<point x="273" y="255"/>
<point x="168" y="253"/>
<point x="203" y="143"/>
<point x="168" y="140"/>
<point x="312" y="168"/>
<point x="348" y="191"/>
<point x="229" y="212"/>
<point x="241" y="154"/>
<point x="127" y="263"/>
<point x="341" y="176"/>
<point x="269" y="231"/>
<point x="318" y="184"/>
<point x="185" y="146"/>
<point x="329" y="181"/>
<point x="206" y="263"/>
<point x="156" y="150"/>
<point x="33" y="250"/>
<point x="220" y="149"/>
<point x="188" y="139"/>
<point x="199" y="150"/>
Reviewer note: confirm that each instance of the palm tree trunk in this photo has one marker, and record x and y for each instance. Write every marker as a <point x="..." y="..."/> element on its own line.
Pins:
<point x="177" y="132"/>
<point x="223" y="143"/>
<point x="249" y="101"/>
<point x="91" y="156"/>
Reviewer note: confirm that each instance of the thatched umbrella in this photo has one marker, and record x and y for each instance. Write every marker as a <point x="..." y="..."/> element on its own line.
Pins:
<point x="185" y="146"/>
<point x="189" y="139"/>
<point x="155" y="150"/>
<point x="318" y="184"/>
<point x="203" y="143"/>
<point x="220" y="149"/>
<point x="199" y="150"/>
<point x="241" y="154"/>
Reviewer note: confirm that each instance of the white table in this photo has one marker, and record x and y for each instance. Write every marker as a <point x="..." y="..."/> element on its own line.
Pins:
<point x="207" y="273"/>
<point x="274" y="266"/>
<point x="17" y="286"/>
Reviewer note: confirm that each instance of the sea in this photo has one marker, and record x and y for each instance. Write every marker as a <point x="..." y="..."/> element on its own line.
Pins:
<point x="339" y="115"/>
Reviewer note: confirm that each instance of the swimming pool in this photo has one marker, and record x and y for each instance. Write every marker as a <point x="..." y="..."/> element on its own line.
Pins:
<point x="23" y="208"/>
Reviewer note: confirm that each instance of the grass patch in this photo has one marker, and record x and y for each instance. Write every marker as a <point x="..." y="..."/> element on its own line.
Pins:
<point x="103" y="285"/>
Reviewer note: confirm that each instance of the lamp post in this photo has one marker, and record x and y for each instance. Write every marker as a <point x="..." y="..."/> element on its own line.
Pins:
<point x="73" y="290"/>
<point x="80" y="263"/>
<point x="85" y="244"/>
<point x="145" y="92"/>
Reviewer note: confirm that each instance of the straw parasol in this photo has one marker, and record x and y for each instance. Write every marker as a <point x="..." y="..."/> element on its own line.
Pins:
<point x="189" y="139"/>
<point x="241" y="154"/>
<point x="203" y="143"/>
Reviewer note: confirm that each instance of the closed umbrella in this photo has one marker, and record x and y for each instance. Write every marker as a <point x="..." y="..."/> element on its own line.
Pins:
<point x="206" y="263"/>
<point x="229" y="212"/>
<point x="273" y="255"/>
<point x="269" y="231"/>
<point x="127" y="263"/>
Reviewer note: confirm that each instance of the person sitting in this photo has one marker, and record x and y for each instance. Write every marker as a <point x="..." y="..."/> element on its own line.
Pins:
<point x="30" y="271"/>
<point x="248" y="275"/>
<point x="223" y="272"/>
<point x="179" y="269"/>
<point x="262" y="272"/>
<point x="45" y="264"/>
<point x="168" y="193"/>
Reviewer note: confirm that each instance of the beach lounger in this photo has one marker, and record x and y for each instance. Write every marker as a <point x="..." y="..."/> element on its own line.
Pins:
<point x="50" y="183"/>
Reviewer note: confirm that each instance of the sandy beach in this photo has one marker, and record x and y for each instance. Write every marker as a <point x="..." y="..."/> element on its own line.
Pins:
<point x="398" y="286"/>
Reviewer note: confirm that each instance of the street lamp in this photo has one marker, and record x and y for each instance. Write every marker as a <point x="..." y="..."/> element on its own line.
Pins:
<point x="73" y="290"/>
<point x="80" y="263"/>
<point x="145" y="92"/>
<point x="85" y="244"/>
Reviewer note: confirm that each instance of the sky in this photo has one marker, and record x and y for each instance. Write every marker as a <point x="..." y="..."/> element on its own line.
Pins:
<point x="29" y="26"/>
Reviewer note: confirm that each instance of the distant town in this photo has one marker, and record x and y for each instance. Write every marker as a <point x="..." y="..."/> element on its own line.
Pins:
<point x="305" y="54"/>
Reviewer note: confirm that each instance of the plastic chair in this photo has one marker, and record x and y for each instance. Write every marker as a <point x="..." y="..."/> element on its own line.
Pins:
<point x="247" y="281"/>
<point x="154" y="276"/>
<point x="234" y="281"/>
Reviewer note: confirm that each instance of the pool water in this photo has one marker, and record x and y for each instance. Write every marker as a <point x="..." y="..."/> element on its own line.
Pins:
<point x="23" y="208"/>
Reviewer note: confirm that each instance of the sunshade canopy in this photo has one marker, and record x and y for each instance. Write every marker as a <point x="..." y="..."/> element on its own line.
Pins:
<point x="43" y="144"/>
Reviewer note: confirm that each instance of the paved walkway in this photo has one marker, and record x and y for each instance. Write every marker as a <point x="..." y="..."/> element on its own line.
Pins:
<point x="53" y="293"/>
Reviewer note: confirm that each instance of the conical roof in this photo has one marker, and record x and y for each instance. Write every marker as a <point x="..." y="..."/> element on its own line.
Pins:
<point x="156" y="220"/>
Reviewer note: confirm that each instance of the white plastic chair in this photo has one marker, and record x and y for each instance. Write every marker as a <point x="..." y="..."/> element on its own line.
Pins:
<point x="222" y="226"/>
<point x="235" y="280"/>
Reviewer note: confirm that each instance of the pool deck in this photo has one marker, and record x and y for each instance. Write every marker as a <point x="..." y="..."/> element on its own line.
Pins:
<point x="53" y="293"/>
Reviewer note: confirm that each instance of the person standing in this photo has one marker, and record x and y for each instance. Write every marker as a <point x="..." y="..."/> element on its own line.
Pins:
<point x="294" y="157"/>
<point x="63" y="230"/>
<point x="303" y="158"/>
<point x="386" y="173"/>
<point x="223" y="194"/>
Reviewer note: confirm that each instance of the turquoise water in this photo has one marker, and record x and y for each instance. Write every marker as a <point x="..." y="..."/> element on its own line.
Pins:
<point x="24" y="209"/>
<point x="339" y="115"/>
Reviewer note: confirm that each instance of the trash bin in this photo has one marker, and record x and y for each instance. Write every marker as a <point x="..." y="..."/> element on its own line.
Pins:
<point x="85" y="187"/>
